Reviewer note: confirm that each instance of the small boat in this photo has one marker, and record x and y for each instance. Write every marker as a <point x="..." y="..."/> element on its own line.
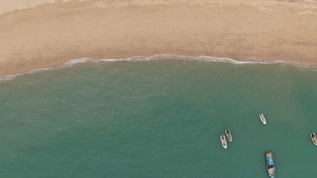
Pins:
<point x="228" y="134"/>
<point x="313" y="138"/>
<point x="223" y="141"/>
<point x="262" y="118"/>
<point x="270" y="164"/>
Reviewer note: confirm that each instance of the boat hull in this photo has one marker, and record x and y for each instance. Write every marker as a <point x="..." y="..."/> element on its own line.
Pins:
<point x="270" y="164"/>
<point x="223" y="141"/>
<point x="313" y="138"/>
<point x="262" y="118"/>
<point x="228" y="134"/>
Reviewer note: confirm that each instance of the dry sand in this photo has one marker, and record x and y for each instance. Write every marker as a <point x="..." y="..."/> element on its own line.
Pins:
<point x="51" y="34"/>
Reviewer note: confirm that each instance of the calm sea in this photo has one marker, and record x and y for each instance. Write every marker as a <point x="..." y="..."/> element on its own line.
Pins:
<point x="158" y="118"/>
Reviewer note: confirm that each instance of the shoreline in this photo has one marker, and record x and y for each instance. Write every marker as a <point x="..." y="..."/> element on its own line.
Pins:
<point x="162" y="57"/>
<point x="50" y="35"/>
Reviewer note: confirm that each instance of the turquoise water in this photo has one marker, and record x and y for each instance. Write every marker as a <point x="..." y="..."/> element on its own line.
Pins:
<point x="159" y="118"/>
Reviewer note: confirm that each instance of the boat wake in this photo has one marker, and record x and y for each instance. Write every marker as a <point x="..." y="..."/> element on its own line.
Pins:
<point x="165" y="57"/>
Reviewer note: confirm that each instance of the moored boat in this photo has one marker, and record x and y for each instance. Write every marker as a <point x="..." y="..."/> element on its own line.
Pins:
<point x="223" y="141"/>
<point x="270" y="164"/>
<point x="228" y="134"/>
<point x="313" y="138"/>
<point x="262" y="118"/>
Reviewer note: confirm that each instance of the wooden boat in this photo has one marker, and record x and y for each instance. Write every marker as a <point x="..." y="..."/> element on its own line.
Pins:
<point x="262" y="118"/>
<point x="313" y="138"/>
<point x="223" y="141"/>
<point x="228" y="134"/>
<point x="270" y="164"/>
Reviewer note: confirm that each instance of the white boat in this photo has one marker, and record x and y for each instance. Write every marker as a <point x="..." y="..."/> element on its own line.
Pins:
<point x="262" y="118"/>
<point x="228" y="134"/>
<point x="313" y="138"/>
<point x="223" y="141"/>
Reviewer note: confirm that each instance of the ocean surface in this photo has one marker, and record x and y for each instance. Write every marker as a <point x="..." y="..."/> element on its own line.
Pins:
<point x="158" y="118"/>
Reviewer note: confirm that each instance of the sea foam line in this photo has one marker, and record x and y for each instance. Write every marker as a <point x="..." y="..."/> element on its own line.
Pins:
<point x="163" y="57"/>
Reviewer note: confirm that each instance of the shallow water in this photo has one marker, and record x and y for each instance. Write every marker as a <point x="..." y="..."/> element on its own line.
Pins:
<point x="158" y="118"/>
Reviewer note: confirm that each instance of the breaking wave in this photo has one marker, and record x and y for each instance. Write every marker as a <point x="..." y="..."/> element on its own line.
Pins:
<point x="164" y="57"/>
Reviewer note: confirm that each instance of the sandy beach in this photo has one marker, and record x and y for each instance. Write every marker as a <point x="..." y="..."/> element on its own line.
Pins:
<point x="50" y="34"/>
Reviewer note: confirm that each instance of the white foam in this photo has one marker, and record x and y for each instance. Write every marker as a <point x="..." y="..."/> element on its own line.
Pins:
<point x="8" y="77"/>
<point x="302" y="66"/>
<point x="40" y="70"/>
<point x="134" y="58"/>
<point x="76" y="61"/>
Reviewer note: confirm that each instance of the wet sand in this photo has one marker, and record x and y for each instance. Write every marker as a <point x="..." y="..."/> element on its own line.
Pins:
<point x="49" y="35"/>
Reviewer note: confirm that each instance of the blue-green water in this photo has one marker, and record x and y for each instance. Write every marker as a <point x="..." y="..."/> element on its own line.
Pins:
<point x="159" y="118"/>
